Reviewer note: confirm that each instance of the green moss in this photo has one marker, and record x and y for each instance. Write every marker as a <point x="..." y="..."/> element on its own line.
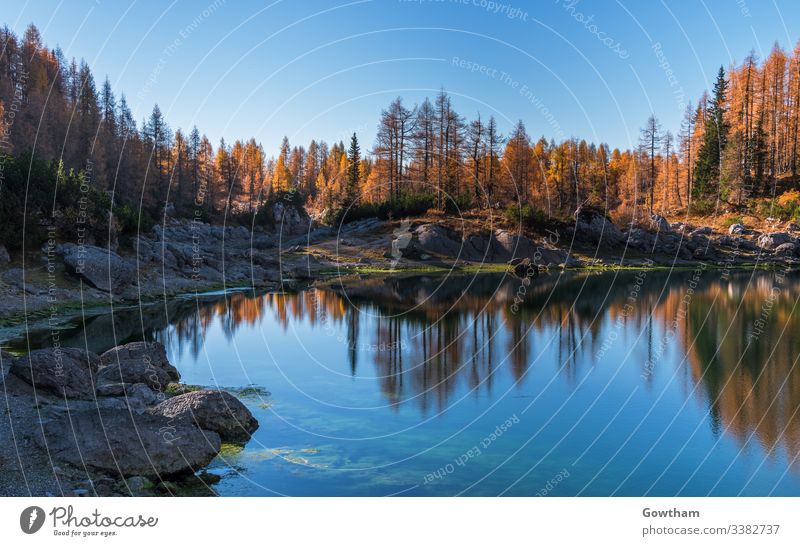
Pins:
<point x="174" y="389"/>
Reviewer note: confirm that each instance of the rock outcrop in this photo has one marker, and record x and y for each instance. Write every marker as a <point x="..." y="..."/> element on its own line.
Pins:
<point x="498" y="246"/>
<point x="771" y="241"/>
<point x="101" y="268"/>
<point x="137" y="362"/>
<point x="594" y="225"/>
<point x="121" y="443"/>
<point x="213" y="410"/>
<point x="62" y="371"/>
<point x="290" y="220"/>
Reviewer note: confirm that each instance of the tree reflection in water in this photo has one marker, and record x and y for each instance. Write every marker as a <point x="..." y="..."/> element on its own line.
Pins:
<point x="734" y="338"/>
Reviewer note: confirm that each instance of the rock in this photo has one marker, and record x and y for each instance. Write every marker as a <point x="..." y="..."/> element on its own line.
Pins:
<point x="705" y="253"/>
<point x="435" y="239"/>
<point x="524" y="267"/>
<point x="791" y="226"/>
<point x="679" y="226"/>
<point x="121" y="443"/>
<point x="138" y="362"/>
<point x="544" y="256"/>
<point x="138" y="485"/>
<point x="737" y="229"/>
<point x="594" y="225"/>
<point x="505" y="245"/>
<point x="138" y="395"/>
<point x="704" y="230"/>
<point x="290" y="220"/>
<point x="786" y="250"/>
<point x="213" y="410"/>
<point x="5" y="258"/>
<point x="640" y="239"/>
<point x="99" y="267"/>
<point x="771" y="241"/>
<point x="659" y="223"/>
<point x="745" y="244"/>
<point x="64" y="371"/>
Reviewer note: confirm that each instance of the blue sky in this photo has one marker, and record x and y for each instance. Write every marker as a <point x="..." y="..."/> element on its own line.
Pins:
<point x="323" y="69"/>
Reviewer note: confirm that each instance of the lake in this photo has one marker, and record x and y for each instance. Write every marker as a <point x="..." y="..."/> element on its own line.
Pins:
<point x="621" y="383"/>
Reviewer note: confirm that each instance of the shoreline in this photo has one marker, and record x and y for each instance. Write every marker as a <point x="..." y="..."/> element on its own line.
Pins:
<point x="71" y="309"/>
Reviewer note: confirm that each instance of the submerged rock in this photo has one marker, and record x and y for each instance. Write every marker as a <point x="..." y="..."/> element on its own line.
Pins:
<point x="213" y="410"/>
<point x="64" y="371"/>
<point x="121" y="443"/>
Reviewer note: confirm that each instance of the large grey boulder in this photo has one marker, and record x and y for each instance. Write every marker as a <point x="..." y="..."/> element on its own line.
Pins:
<point x="505" y="245"/>
<point x="99" y="267"/>
<point x="63" y="371"/>
<point x="289" y="220"/>
<point x="435" y="239"/>
<point x="138" y="362"/>
<point x="594" y="225"/>
<point x="213" y="410"/>
<point x="771" y="241"/>
<point x="122" y="443"/>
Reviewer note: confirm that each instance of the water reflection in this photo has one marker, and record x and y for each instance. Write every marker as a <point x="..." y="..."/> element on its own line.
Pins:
<point x="726" y="339"/>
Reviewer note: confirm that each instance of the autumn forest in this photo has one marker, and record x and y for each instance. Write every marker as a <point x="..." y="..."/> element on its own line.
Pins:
<point x="737" y="149"/>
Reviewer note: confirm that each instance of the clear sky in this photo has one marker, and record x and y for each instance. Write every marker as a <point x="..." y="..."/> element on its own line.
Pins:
<point x="325" y="68"/>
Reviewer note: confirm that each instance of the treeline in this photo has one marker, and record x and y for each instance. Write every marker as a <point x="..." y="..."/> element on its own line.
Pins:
<point x="738" y="143"/>
<point x="737" y="146"/>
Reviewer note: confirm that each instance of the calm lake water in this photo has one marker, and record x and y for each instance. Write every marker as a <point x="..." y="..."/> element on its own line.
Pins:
<point x="635" y="383"/>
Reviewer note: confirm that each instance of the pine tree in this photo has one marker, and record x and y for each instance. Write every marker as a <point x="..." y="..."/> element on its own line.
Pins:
<point x="353" y="170"/>
<point x="709" y="156"/>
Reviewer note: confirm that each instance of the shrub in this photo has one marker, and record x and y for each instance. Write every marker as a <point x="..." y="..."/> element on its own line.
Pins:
<point x="408" y="204"/>
<point x="703" y="206"/>
<point x="787" y="205"/>
<point x="526" y="215"/>
<point x="730" y="220"/>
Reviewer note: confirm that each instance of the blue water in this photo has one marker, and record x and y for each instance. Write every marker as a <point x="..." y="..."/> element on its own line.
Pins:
<point x="636" y="383"/>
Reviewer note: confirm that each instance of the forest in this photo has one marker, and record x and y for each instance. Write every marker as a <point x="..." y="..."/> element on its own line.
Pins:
<point x="70" y="147"/>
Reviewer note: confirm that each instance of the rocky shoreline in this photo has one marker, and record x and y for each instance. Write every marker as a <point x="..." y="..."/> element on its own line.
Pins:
<point x="184" y="257"/>
<point x="119" y="423"/>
